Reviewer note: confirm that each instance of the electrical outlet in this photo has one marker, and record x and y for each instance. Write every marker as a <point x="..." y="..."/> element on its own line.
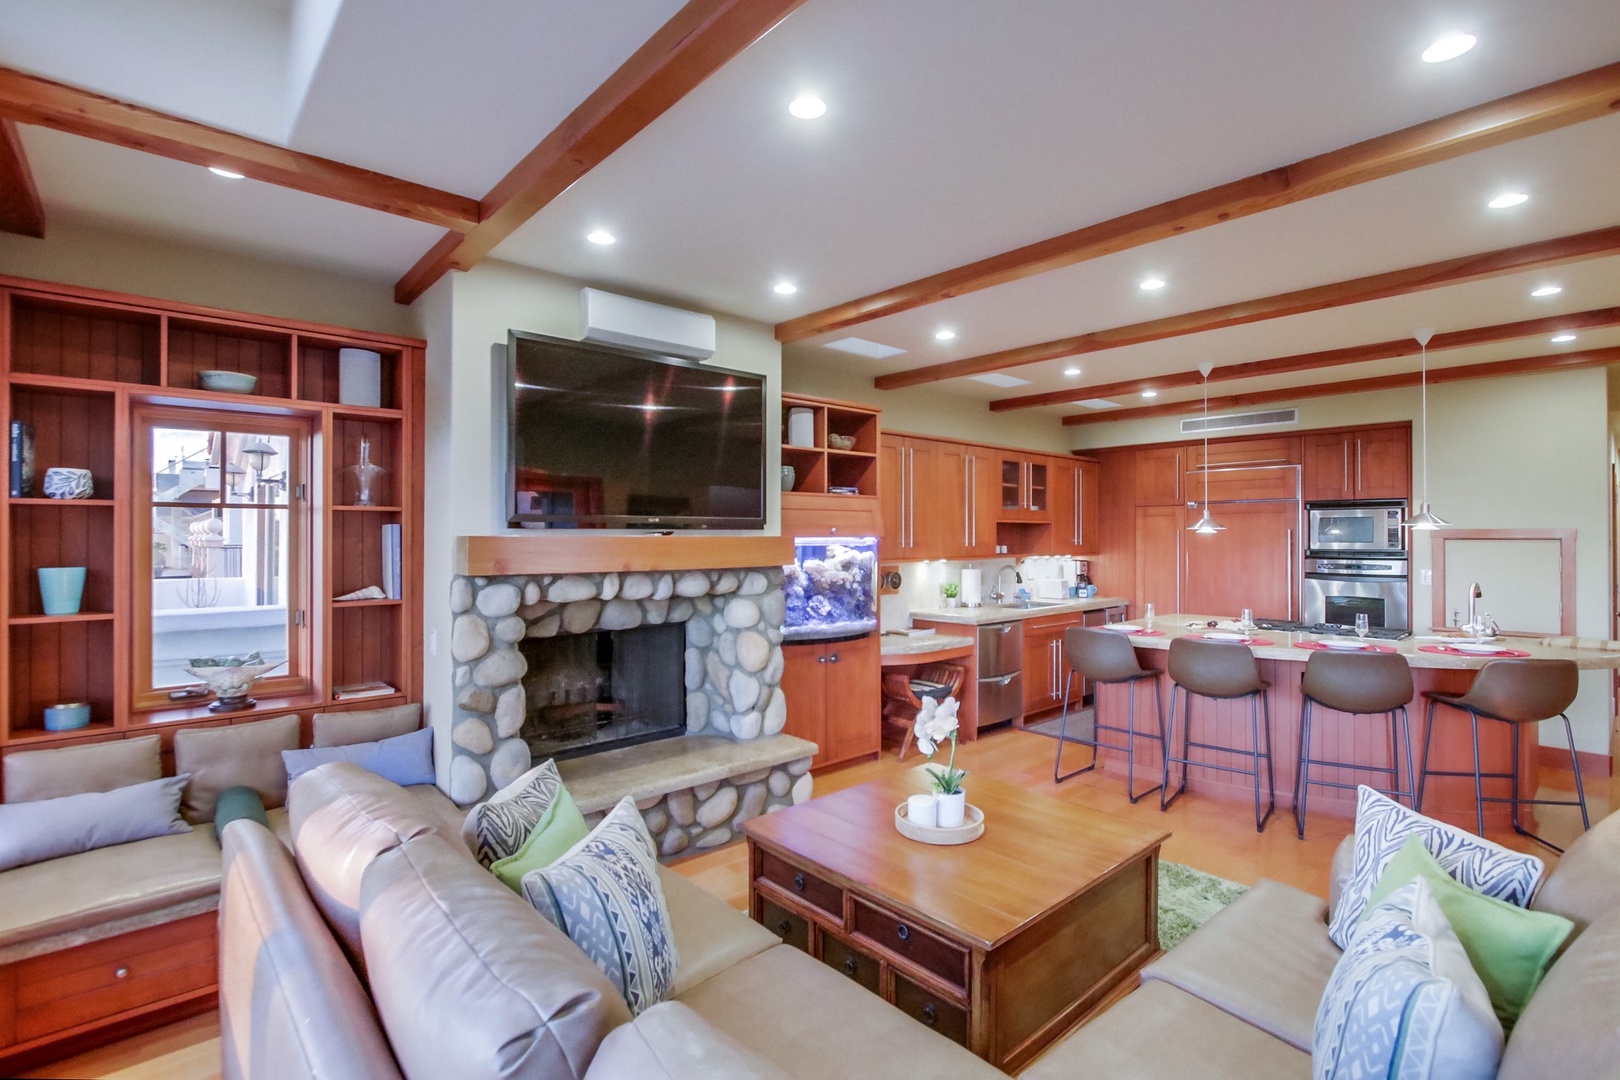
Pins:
<point x="1425" y="577"/>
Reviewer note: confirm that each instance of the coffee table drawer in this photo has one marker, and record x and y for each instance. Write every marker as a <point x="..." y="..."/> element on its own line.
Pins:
<point x="842" y="957"/>
<point x="802" y="884"/>
<point x="793" y="929"/>
<point x="930" y="1009"/>
<point x="926" y="950"/>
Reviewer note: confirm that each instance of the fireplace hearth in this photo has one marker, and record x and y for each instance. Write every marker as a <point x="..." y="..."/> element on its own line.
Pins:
<point x="598" y="690"/>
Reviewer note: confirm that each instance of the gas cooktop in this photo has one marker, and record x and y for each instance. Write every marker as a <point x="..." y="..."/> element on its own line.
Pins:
<point x="1382" y="633"/>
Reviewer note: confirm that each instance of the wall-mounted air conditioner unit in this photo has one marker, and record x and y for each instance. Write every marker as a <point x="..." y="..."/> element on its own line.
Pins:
<point x="620" y="320"/>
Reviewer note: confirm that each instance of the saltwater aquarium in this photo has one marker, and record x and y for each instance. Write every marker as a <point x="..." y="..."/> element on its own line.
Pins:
<point x="831" y="587"/>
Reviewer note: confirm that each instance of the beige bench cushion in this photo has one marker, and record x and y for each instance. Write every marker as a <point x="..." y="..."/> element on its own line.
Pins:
<point x="671" y="1042"/>
<point x="364" y="725"/>
<point x="237" y="755"/>
<point x="710" y="935"/>
<point x="31" y="775"/>
<point x="1161" y="1033"/>
<point x="290" y="1006"/>
<point x="1265" y="958"/>
<point x="811" y="1022"/>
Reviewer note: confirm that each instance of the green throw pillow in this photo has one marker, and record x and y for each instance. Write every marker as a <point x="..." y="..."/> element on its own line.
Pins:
<point x="238" y="802"/>
<point x="1510" y="947"/>
<point x="559" y="828"/>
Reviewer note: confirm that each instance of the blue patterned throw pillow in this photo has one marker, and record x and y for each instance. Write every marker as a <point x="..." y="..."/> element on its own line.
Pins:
<point x="1382" y="826"/>
<point x="1404" y="1003"/>
<point x="496" y="829"/>
<point x="604" y="894"/>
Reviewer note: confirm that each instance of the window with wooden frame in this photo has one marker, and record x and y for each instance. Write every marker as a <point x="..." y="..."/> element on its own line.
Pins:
<point x="222" y="548"/>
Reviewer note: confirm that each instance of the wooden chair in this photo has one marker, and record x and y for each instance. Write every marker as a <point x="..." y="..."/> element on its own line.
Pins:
<point x="900" y="704"/>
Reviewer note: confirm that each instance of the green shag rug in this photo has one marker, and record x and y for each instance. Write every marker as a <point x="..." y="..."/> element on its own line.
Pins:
<point x="1188" y="899"/>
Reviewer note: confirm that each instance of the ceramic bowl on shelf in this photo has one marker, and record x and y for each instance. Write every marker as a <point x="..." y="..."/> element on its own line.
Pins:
<point x="68" y="716"/>
<point x="227" y="382"/>
<point x="840" y="442"/>
<point x="230" y="677"/>
<point x="69" y="484"/>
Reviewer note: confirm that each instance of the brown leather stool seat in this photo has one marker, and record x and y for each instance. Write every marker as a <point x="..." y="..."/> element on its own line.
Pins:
<point x="1516" y="693"/>
<point x="1107" y="656"/>
<point x="1361" y="684"/>
<point x="1217" y="669"/>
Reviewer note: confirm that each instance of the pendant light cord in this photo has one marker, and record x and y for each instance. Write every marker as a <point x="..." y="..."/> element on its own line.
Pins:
<point x="1424" y="347"/>
<point x="1206" y="447"/>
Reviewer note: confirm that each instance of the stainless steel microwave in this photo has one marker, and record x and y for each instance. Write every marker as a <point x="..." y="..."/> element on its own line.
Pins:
<point x="1362" y="527"/>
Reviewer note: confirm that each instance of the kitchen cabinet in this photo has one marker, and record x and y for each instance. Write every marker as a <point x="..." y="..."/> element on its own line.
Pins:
<point x="917" y="523"/>
<point x="982" y="496"/>
<point x="834" y="697"/>
<point x="1253" y="564"/>
<point x="811" y="507"/>
<point x="1160" y="476"/>
<point x="1025" y="488"/>
<point x="1372" y="463"/>
<point x="1074" y="507"/>
<point x="1160" y="534"/>
<point x="1043" y="662"/>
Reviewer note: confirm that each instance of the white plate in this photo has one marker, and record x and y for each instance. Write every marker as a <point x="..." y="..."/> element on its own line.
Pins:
<point x="1479" y="650"/>
<point x="1343" y="643"/>
<point x="1222" y="635"/>
<point x="1122" y="627"/>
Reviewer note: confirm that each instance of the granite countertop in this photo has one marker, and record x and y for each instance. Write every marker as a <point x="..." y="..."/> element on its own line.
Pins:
<point x="1174" y="625"/>
<point x="905" y="645"/>
<point x="994" y="613"/>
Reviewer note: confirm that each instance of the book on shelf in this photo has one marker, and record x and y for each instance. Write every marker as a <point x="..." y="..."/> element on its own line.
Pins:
<point x="22" y="460"/>
<point x="351" y="691"/>
<point x="390" y="555"/>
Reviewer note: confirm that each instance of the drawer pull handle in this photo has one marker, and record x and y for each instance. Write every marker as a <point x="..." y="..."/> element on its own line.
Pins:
<point x="904" y="931"/>
<point x="798" y="882"/>
<point x="121" y="973"/>
<point x="928" y="1016"/>
<point x="785" y="927"/>
<point x="849" y="966"/>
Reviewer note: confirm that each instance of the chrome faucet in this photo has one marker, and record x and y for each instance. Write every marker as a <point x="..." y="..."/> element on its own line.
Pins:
<point x="1480" y="627"/>
<point x="1474" y="594"/>
<point x="996" y="595"/>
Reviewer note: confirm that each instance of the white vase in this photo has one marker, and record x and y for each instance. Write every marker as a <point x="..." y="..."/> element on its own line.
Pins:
<point x="951" y="809"/>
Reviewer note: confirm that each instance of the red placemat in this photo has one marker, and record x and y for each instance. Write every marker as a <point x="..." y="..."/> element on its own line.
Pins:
<point x="1251" y="642"/>
<point x="1140" y="633"/>
<point x="1317" y="646"/>
<point x="1447" y="650"/>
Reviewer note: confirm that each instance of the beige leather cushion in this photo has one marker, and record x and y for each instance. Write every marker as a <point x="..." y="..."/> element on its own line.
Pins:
<point x="241" y="755"/>
<point x="1265" y="958"/>
<point x="813" y="1022"/>
<point x="289" y="1005"/>
<point x="470" y="981"/>
<point x="1572" y="1025"/>
<point x="710" y="935"/>
<point x="365" y="725"/>
<point x="671" y="1042"/>
<point x="1585" y="885"/>
<point x="74" y="770"/>
<point x="1161" y="1033"/>
<point x="341" y="818"/>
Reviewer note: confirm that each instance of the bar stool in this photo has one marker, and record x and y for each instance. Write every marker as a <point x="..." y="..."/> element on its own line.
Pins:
<point x="1222" y="671"/>
<point x="1512" y="692"/>
<point x="1360" y="684"/>
<point x="1105" y="656"/>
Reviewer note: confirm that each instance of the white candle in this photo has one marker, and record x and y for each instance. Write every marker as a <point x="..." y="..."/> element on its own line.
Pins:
<point x="922" y="810"/>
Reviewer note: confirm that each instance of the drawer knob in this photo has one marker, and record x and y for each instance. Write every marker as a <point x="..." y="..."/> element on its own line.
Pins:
<point x="121" y="973"/>
<point x="928" y="1016"/>
<point x="849" y="966"/>
<point x="904" y="932"/>
<point x="784" y="927"/>
<point x="798" y="882"/>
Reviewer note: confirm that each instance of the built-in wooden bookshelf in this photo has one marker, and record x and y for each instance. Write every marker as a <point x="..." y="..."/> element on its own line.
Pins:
<point x="77" y="366"/>
<point x="835" y="488"/>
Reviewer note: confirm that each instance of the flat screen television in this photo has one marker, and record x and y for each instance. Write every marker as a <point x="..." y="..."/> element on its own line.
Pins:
<point x="603" y="436"/>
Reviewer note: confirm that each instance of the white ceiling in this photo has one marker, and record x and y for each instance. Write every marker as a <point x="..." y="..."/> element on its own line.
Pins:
<point x="955" y="129"/>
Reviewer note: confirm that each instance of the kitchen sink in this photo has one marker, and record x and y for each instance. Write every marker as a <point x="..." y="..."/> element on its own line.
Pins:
<point x="1026" y="605"/>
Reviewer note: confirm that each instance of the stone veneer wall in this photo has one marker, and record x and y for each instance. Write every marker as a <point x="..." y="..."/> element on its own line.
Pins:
<point x="733" y="654"/>
<point x="697" y="818"/>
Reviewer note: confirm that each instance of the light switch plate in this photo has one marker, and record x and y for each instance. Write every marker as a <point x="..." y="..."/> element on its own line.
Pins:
<point x="1425" y="577"/>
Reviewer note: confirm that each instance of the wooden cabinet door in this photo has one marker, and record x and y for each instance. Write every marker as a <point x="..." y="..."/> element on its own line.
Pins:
<point x="984" y="501"/>
<point x="1253" y="564"/>
<point x="804" y="685"/>
<point x="1328" y="468"/>
<point x="1038" y="487"/>
<point x="1158" y="557"/>
<point x="1064" y="479"/>
<point x="1383" y="463"/>
<point x="853" y="703"/>
<point x="1037" y="670"/>
<point x="1159" y="476"/>
<point x="938" y="501"/>
<point x="1089" y="478"/>
<point x="894" y="494"/>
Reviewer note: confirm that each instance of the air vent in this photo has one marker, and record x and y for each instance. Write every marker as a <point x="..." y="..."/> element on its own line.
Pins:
<point x="1233" y="421"/>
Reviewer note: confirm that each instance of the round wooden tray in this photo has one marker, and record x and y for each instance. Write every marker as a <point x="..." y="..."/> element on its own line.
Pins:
<point x="971" y="829"/>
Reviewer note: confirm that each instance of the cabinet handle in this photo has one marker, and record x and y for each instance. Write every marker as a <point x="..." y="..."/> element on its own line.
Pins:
<point x="849" y="966"/>
<point x="1079" y="526"/>
<point x="1344" y="452"/>
<point x="1358" y="465"/>
<point x="903" y="932"/>
<point x="1006" y="629"/>
<point x="784" y="928"/>
<point x="1288" y="569"/>
<point x="1004" y="680"/>
<point x="121" y="973"/>
<point x="798" y="882"/>
<point x="928" y="1015"/>
<point x="911" y="502"/>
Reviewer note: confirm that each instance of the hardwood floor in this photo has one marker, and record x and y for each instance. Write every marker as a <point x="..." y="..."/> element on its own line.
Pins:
<point x="1213" y="835"/>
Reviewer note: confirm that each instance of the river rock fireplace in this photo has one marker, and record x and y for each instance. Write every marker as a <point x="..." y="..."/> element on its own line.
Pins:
<point x="605" y="688"/>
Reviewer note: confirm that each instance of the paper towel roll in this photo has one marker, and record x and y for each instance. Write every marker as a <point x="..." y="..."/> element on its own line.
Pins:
<point x="972" y="584"/>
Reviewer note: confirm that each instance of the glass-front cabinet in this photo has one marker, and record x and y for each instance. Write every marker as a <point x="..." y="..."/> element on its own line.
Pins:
<point x="1024" y="488"/>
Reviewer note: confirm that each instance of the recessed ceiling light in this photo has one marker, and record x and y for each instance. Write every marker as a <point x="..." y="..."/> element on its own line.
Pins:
<point x="944" y="335"/>
<point x="1547" y="290"/>
<point x="784" y="288"/>
<point x="807" y="107"/>
<point x="1562" y="339"/>
<point x="1071" y="372"/>
<point x="1449" y="48"/>
<point x="1151" y="283"/>
<point x="1150" y="393"/>
<point x="601" y="236"/>
<point x="1507" y="199"/>
<point x="226" y="173"/>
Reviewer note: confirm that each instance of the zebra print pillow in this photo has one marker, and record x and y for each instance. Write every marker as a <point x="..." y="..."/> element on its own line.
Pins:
<point x="497" y="828"/>
<point x="1382" y="826"/>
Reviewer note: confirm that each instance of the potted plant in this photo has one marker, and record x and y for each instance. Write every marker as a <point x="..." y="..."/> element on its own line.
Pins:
<point x="951" y="590"/>
<point x="936" y="723"/>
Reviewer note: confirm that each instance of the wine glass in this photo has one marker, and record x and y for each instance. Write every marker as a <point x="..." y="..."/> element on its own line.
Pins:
<point x="1147" y="616"/>
<point x="1246" y="620"/>
<point x="1362" y="626"/>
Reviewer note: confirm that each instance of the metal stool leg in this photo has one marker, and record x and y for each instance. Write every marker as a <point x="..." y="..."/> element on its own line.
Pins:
<point x="1479" y="786"/>
<point x="1411" y="779"/>
<point x="1165" y="795"/>
<point x="1423" y="776"/>
<point x="1063" y="726"/>
<point x="1254" y="727"/>
<point x="1575" y="763"/>
<point x="1271" y="771"/>
<point x="1302" y="782"/>
<point x="1513" y="792"/>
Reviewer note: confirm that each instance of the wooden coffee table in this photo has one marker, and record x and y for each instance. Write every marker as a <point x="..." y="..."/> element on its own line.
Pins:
<point x="1002" y="944"/>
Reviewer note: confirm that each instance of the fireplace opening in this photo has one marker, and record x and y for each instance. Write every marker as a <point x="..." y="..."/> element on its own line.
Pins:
<point x="591" y="692"/>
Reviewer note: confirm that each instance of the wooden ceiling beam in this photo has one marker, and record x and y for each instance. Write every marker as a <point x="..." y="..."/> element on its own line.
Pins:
<point x="1572" y="100"/>
<point x="1563" y="249"/>
<point x="28" y="99"/>
<point x="1353" y="354"/>
<point x="695" y="43"/>
<point x="20" y="209"/>
<point x="1528" y="365"/>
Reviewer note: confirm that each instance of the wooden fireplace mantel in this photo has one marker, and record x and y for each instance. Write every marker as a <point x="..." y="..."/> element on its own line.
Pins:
<point x="583" y="551"/>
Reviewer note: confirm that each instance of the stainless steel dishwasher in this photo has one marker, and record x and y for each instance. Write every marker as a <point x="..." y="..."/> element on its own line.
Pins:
<point x="1001" y="672"/>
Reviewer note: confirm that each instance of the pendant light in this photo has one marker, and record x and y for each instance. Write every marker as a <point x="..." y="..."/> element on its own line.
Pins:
<point x="1425" y="520"/>
<point x="1206" y="525"/>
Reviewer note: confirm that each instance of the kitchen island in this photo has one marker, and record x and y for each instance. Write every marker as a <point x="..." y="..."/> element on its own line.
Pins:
<point x="1338" y="735"/>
